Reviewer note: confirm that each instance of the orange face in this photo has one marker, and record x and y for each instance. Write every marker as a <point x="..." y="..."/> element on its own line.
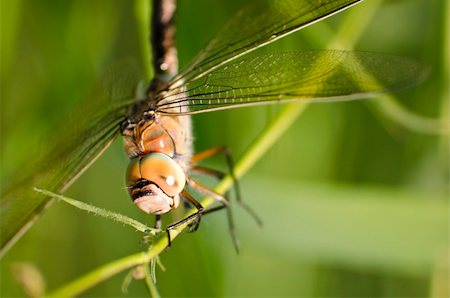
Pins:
<point x="154" y="183"/>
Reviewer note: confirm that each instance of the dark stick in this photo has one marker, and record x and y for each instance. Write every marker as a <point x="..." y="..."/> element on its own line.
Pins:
<point x="165" y="60"/>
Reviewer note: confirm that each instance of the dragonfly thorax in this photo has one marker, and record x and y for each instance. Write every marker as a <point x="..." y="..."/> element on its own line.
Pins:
<point x="163" y="134"/>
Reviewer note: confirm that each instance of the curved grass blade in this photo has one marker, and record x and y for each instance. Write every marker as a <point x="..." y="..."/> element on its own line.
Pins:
<point x="114" y="216"/>
<point x="311" y="76"/>
<point x="258" y="24"/>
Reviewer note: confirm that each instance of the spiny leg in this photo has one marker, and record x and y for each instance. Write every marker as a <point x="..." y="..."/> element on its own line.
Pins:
<point x="157" y="225"/>
<point x="158" y="222"/>
<point x="197" y="215"/>
<point x="225" y="204"/>
<point x="230" y="162"/>
<point x="208" y="171"/>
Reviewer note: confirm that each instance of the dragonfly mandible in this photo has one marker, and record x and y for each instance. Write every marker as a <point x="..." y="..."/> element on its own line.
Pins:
<point x="222" y="76"/>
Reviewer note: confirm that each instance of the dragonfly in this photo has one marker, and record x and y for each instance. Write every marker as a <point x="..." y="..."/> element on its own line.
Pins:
<point x="156" y="128"/>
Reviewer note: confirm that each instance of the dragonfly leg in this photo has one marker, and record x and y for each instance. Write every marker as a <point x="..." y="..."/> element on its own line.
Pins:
<point x="225" y="204"/>
<point x="208" y="171"/>
<point x="230" y="162"/>
<point x="195" y="216"/>
<point x="158" y="221"/>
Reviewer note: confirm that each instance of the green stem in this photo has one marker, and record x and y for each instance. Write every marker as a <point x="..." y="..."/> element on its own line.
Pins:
<point x="389" y="107"/>
<point x="445" y="77"/>
<point x="150" y="284"/>
<point x="104" y="272"/>
<point x="353" y="26"/>
<point x="264" y="142"/>
<point x="142" y="10"/>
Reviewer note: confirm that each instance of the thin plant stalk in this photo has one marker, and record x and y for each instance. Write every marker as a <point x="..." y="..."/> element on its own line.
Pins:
<point x="150" y="283"/>
<point x="101" y="273"/>
<point x="142" y="10"/>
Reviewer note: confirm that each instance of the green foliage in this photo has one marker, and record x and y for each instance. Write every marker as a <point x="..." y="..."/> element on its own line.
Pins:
<point x="354" y="196"/>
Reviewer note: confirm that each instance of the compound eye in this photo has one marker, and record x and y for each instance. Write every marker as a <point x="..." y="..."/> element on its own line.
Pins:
<point x="162" y="171"/>
<point x="133" y="174"/>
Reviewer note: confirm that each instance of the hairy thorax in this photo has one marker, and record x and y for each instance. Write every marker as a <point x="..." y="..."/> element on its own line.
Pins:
<point x="170" y="135"/>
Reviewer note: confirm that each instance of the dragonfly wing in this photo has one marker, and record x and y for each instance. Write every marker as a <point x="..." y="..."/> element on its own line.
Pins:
<point x="55" y="170"/>
<point x="325" y="75"/>
<point x="258" y="24"/>
<point x="78" y="141"/>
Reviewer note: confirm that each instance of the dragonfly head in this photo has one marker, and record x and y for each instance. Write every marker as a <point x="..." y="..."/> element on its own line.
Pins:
<point x="154" y="183"/>
<point x="141" y="110"/>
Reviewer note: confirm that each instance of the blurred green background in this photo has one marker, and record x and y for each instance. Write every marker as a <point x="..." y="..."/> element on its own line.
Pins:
<point x="354" y="203"/>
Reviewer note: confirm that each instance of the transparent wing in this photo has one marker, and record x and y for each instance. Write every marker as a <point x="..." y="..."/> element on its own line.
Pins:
<point x="324" y="75"/>
<point x="256" y="25"/>
<point x="54" y="170"/>
<point x="64" y="156"/>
